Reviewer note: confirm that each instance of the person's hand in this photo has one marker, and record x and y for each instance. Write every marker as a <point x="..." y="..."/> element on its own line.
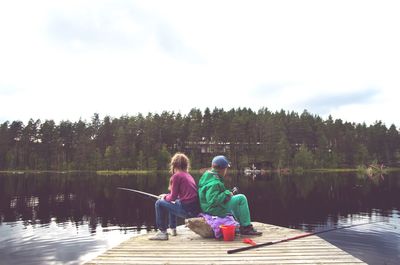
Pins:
<point x="228" y="198"/>
<point x="235" y="190"/>
<point x="162" y="196"/>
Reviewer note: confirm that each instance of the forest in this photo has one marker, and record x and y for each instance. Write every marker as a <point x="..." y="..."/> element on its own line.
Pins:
<point x="271" y="140"/>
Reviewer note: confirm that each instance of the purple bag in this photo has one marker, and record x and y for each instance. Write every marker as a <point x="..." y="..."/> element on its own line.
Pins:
<point x="215" y="222"/>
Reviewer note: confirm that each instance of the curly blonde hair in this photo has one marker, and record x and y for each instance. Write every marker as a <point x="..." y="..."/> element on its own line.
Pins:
<point x="179" y="161"/>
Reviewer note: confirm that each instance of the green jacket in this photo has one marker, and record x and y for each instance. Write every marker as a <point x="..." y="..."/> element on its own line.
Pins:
<point x="213" y="194"/>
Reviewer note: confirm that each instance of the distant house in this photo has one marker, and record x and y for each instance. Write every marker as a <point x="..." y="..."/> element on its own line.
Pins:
<point x="208" y="147"/>
<point x="214" y="147"/>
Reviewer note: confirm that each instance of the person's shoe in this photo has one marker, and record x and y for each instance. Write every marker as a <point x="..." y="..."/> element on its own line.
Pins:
<point x="161" y="235"/>
<point x="249" y="230"/>
<point x="173" y="232"/>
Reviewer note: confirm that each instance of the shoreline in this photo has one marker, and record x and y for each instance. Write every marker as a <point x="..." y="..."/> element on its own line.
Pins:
<point x="144" y="172"/>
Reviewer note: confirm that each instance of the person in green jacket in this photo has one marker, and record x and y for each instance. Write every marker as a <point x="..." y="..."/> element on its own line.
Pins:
<point x="217" y="200"/>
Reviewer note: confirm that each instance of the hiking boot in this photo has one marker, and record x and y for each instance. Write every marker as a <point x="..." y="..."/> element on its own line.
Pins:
<point x="249" y="230"/>
<point x="161" y="235"/>
<point x="173" y="232"/>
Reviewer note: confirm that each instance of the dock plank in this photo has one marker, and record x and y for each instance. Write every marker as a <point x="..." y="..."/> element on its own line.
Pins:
<point x="189" y="248"/>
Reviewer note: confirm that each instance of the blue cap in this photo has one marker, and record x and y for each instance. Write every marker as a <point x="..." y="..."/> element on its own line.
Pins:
<point x="220" y="162"/>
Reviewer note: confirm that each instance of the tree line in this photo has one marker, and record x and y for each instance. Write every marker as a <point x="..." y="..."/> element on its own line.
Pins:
<point x="269" y="139"/>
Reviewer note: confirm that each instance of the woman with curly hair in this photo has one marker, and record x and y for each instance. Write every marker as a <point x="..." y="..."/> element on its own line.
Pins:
<point x="182" y="201"/>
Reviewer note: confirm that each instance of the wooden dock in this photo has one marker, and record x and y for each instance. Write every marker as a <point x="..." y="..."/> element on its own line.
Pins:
<point x="189" y="248"/>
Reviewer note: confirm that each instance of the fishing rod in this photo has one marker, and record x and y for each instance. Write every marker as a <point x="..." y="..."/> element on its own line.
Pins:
<point x="141" y="192"/>
<point x="294" y="238"/>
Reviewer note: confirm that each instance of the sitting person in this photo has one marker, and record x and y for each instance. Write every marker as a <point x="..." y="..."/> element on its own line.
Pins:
<point x="182" y="201"/>
<point x="215" y="199"/>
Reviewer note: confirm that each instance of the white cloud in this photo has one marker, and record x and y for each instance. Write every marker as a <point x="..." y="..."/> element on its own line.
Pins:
<point x="69" y="59"/>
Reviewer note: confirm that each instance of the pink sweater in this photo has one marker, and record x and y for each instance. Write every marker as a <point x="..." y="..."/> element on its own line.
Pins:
<point x="183" y="187"/>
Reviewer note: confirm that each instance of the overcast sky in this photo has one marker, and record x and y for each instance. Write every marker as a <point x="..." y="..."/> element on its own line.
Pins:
<point x="69" y="59"/>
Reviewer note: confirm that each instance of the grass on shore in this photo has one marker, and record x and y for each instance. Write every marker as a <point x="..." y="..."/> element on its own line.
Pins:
<point x="125" y="172"/>
<point x="30" y="171"/>
<point x="333" y="170"/>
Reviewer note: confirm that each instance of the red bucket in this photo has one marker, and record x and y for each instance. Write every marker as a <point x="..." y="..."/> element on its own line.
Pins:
<point x="228" y="232"/>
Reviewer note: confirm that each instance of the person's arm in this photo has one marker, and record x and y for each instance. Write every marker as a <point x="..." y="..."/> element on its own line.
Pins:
<point x="173" y="195"/>
<point x="217" y="194"/>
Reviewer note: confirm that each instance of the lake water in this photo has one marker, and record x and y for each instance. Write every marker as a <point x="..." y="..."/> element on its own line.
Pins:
<point x="72" y="218"/>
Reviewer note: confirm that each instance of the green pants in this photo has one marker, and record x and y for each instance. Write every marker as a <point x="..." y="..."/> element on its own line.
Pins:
<point x="238" y="206"/>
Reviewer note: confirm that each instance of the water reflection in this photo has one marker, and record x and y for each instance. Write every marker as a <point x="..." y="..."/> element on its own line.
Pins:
<point x="76" y="198"/>
<point x="84" y="213"/>
<point x="53" y="243"/>
<point x="375" y="243"/>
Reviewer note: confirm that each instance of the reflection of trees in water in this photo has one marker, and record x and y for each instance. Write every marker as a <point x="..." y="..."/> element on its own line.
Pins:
<point x="290" y="200"/>
<point x="283" y="200"/>
<point x="79" y="198"/>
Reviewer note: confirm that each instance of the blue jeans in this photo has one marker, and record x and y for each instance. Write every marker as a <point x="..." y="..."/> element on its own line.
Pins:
<point x="172" y="210"/>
